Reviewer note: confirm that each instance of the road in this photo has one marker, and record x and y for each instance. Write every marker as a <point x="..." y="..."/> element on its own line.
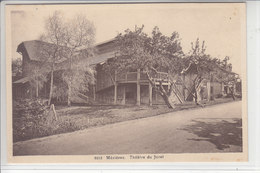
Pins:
<point x="211" y="129"/>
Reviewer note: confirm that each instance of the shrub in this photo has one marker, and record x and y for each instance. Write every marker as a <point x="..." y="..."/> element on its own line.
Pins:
<point x="32" y="119"/>
<point x="219" y="96"/>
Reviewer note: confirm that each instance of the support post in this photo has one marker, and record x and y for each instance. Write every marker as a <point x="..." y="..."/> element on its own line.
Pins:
<point x="115" y="88"/>
<point x="209" y="90"/>
<point x="31" y="92"/>
<point x="150" y="94"/>
<point x="45" y="90"/>
<point x="115" y="94"/>
<point x="94" y="92"/>
<point x="234" y="88"/>
<point x="138" y="96"/>
<point x="37" y="88"/>
<point x="156" y="96"/>
<point x="123" y="102"/>
<point x="222" y="88"/>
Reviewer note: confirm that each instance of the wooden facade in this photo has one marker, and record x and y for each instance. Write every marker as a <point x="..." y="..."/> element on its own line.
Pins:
<point x="134" y="87"/>
<point x="119" y="88"/>
<point x="127" y="88"/>
<point x="207" y="89"/>
<point x="22" y="87"/>
<point x="124" y="88"/>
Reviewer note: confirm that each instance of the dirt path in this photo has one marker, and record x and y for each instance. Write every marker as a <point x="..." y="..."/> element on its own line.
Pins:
<point x="211" y="129"/>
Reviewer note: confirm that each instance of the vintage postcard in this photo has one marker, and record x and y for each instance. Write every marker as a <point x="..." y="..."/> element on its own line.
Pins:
<point x="109" y="83"/>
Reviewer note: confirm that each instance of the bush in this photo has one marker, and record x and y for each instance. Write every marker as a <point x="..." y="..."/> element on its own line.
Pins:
<point x="32" y="119"/>
<point x="238" y="95"/>
<point x="219" y="96"/>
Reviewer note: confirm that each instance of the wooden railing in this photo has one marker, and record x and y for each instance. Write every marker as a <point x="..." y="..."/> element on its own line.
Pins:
<point x="162" y="76"/>
<point x="104" y="81"/>
<point x="132" y="77"/>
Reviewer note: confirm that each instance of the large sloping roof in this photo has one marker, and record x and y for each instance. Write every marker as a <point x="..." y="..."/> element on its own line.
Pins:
<point x="192" y="68"/>
<point x="101" y="58"/>
<point x="37" y="50"/>
<point x="103" y="52"/>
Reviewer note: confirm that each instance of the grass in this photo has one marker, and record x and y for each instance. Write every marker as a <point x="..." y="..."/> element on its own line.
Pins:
<point x="90" y="116"/>
<point x="81" y="117"/>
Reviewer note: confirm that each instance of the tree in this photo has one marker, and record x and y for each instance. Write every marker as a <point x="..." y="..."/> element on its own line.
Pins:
<point x="225" y="75"/>
<point x="55" y="35"/>
<point x="202" y="64"/>
<point x="37" y="79"/>
<point x="207" y="68"/>
<point x="79" y="39"/>
<point x="72" y="43"/>
<point x="17" y="67"/>
<point x="37" y="76"/>
<point x="149" y="54"/>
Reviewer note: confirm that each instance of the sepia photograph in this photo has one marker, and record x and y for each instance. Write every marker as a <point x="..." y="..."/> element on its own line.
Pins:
<point x="145" y="82"/>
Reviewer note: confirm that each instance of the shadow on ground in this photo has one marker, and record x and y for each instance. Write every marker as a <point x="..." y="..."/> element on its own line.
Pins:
<point x="221" y="133"/>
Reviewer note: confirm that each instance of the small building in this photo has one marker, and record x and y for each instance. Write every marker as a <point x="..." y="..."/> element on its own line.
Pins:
<point x="36" y="66"/>
<point x="33" y="58"/>
<point x="207" y="89"/>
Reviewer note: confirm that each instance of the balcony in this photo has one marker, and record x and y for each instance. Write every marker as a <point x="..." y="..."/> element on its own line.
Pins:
<point x="131" y="77"/>
<point x="104" y="80"/>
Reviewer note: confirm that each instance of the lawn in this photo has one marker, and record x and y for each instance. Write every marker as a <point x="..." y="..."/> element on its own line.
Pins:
<point x="81" y="117"/>
<point x="89" y="116"/>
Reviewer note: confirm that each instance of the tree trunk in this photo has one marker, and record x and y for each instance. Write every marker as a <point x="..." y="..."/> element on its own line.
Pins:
<point x="69" y="94"/>
<point x="138" y="89"/>
<point x="195" y="96"/>
<point x="162" y="92"/>
<point x="52" y="108"/>
<point x="51" y="87"/>
<point x="232" y="93"/>
<point x="69" y="82"/>
<point x="37" y="88"/>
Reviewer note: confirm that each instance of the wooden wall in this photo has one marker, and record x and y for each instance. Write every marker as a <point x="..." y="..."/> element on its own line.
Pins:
<point x="103" y="79"/>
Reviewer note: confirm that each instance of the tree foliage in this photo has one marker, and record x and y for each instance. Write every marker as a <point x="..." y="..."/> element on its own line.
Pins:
<point x="72" y="42"/>
<point x="157" y="52"/>
<point x="150" y="54"/>
<point x="17" y="67"/>
<point x="137" y="50"/>
<point x="207" y="67"/>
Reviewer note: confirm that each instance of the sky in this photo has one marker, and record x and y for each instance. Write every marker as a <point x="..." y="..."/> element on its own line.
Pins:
<point x="221" y="25"/>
